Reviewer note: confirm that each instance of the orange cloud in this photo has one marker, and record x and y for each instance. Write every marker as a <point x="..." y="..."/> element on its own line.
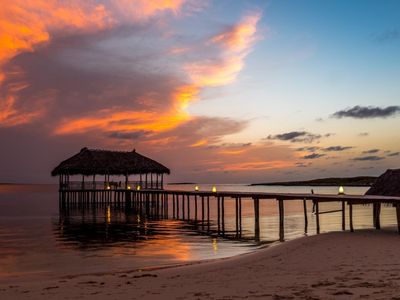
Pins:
<point x="9" y="116"/>
<point x="118" y="120"/>
<point x="236" y="43"/>
<point x="199" y="143"/>
<point x="24" y="25"/>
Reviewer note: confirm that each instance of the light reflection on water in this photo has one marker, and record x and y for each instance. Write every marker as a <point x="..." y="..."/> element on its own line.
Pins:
<point x="35" y="238"/>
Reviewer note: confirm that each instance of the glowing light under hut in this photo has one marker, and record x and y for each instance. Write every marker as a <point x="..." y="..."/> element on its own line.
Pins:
<point x="196" y="188"/>
<point x="214" y="189"/>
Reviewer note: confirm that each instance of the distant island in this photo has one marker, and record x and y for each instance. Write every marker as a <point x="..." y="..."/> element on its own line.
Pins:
<point x="332" y="181"/>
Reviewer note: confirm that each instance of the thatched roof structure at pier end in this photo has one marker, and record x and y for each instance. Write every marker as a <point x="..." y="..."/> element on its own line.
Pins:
<point x="105" y="162"/>
<point x="388" y="184"/>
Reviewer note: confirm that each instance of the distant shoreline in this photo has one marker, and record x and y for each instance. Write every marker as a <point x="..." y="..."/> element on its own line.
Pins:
<point x="332" y="181"/>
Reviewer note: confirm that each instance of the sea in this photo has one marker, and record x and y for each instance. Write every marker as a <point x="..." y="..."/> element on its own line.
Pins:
<point x="39" y="241"/>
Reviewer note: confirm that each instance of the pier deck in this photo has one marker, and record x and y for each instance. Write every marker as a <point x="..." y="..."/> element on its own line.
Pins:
<point x="156" y="201"/>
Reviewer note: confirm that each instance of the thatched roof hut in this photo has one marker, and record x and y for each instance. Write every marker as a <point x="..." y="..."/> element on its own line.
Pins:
<point x="105" y="162"/>
<point x="388" y="184"/>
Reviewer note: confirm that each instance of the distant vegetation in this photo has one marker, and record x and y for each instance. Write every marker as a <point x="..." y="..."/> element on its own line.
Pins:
<point x="349" y="181"/>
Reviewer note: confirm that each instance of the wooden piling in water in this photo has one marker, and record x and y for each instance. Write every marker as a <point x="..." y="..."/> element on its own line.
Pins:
<point x="281" y="220"/>
<point x="256" y="202"/>
<point x="351" y="216"/>
<point x="317" y="215"/>
<point x="305" y="215"/>
<point x="343" y="215"/>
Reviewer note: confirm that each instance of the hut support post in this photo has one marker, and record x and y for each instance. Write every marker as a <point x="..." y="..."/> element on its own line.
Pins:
<point x="157" y="181"/>
<point x="162" y="181"/>
<point x="281" y="220"/>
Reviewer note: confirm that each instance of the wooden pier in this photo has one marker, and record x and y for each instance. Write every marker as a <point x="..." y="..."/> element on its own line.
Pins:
<point x="180" y="205"/>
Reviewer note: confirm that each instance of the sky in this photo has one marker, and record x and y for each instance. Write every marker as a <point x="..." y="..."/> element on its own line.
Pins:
<point x="218" y="91"/>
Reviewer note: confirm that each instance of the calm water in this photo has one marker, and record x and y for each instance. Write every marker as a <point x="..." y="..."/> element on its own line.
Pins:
<point x="37" y="239"/>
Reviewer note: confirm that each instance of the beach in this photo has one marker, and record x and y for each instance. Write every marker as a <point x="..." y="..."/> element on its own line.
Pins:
<point x="363" y="264"/>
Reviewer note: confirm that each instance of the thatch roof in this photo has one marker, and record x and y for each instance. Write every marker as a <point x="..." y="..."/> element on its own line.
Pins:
<point x="388" y="184"/>
<point x="90" y="162"/>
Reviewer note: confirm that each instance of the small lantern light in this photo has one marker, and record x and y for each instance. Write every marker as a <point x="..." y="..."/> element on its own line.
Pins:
<point x="138" y="188"/>
<point x="214" y="189"/>
<point x="108" y="187"/>
<point x="196" y="188"/>
<point x="341" y="190"/>
<point x="128" y="187"/>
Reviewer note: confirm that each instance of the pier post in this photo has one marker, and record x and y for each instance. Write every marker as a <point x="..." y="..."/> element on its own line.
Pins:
<point x="173" y="206"/>
<point x="317" y="215"/>
<point x="281" y="220"/>
<point x="256" y="202"/>
<point x="219" y="214"/>
<point x="195" y="208"/>
<point x="223" y="214"/>
<point x="343" y="216"/>
<point x="188" y="206"/>
<point x="237" y="216"/>
<point x="351" y="216"/>
<point x="240" y="216"/>
<point x="183" y="207"/>
<point x="202" y="212"/>
<point x="398" y="217"/>
<point x="305" y="215"/>
<point x="177" y="206"/>
<point x="376" y="215"/>
<point x="208" y="213"/>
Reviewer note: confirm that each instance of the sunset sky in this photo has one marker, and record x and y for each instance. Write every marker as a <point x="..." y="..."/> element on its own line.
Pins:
<point x="218" y="91"/>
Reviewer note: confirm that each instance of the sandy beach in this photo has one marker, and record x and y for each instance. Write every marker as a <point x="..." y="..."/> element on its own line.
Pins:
<point x="344" y="265"/>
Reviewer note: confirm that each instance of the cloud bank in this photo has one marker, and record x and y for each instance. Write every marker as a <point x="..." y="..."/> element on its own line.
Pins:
<point x="367" y="112"/>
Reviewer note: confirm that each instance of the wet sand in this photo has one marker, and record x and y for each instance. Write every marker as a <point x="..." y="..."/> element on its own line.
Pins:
<point x="337" y="265"/>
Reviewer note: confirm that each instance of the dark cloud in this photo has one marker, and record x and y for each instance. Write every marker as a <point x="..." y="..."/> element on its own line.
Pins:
<point x="230" y="145"/>
<point x="368" y="158"/>
<point x="336" y="148"/>
<point x="367" y="112"/>
<point x="393" y="154"/>
<point x="371" y="151"/>
<point x="387" y="36"/>
<point x="296" y="137"/>
<point x="363" y="134"/>
<point x="313" y="156"/>
<point x="129" y="135"/>
<point x="310" y="149"/>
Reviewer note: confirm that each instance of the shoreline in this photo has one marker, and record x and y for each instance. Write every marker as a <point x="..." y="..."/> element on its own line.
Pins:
<point x="325" y="266"/>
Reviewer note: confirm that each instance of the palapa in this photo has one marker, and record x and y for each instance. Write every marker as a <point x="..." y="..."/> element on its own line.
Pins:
<point x="105" y="162"/>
